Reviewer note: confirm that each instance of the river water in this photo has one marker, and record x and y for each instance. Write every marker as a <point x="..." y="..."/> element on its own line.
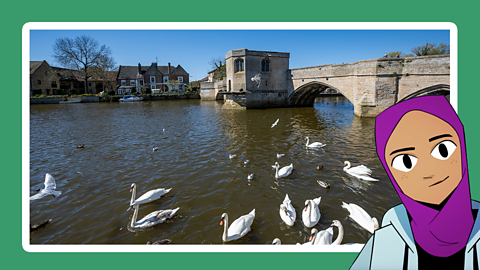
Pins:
<point x="193" y="160"/>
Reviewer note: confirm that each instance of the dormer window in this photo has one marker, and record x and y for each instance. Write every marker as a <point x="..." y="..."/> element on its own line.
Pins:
<point x="239" y="65"/>
<point x="265" y="65"/>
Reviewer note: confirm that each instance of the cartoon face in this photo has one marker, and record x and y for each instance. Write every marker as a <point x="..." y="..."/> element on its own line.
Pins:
<point x="423" y="154"/>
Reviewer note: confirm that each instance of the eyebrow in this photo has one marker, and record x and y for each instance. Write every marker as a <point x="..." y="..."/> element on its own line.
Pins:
<point x="402" y="149"/>
<point x="439" y="136"/>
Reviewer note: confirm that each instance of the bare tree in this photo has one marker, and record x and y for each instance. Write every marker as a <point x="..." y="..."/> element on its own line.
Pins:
<point x="80" y="53"/>
<point x="105" y="67"/>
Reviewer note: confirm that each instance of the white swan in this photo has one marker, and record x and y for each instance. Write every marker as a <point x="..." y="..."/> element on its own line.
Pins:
<point x="311" y="214"/>
<point x="287" y="212"/>
<point x="311" y="239"/>
<point x="150" y="196"/>
<point x="280" y="155"/>
<point x="153" y="218"/>
<point x="246" y="162"/>
<point x="283" y="172"/>
<point x="361" y="217"/>
<point x="325" y="237"/>
<point x="276" y="241"/>
<point x="314" y="144"/>
<point x="361" y="172"/>
<point x="239" y="227"/>
<point x="231" y="156"/>
<point x="50" y="187"/>
<point x="276" y="122"/>
<point x="250" y="176"/>
<point x="155" y="149"/>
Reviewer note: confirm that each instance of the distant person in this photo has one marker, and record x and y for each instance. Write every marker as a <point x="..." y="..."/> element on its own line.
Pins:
<point x="384" y="55"/>
<point x="396" y="56"/>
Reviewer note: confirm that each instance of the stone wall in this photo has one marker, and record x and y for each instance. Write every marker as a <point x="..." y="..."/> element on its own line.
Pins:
<point x="207" y="91"/>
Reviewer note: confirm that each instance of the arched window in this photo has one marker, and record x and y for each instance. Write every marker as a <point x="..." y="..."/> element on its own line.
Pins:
<point x="265" y="65"/>
<point x="239" y="65"/>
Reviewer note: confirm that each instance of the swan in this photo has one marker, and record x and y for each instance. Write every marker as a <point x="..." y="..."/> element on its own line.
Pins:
<point x="287" y="212"/>
<point x="280" y="155"/>
<point x="361" y="217"/>
<point x="50" y="187"/>
<point x="231" y="156"/>
<point x="155" y="149"/>
<point x="150" y="196"/>
<point x="361" y="172"/>
<point x="314" y="144"/>
<point x="239" y="227"/>
<point x="250" y="176"/>
<point x="323" y="184"/>
<point x="276" y="241"/>
<point x="283" y="172"/>
<point x="276" y="122"/>
<point x="152" y="219"/>
<point x="325" y="237"/>
<point x="311" y="239"/>
<point x="246" y="162"/>
<point x="311" y="214"/>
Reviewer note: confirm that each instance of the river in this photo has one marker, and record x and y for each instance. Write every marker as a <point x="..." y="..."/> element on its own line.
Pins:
<point x="193" y="160"/>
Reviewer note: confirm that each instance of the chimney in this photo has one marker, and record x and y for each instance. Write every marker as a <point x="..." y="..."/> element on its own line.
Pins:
<point x="154" y="64"/>
<point x="139" y="69"/>
<point x="168" y="68"/>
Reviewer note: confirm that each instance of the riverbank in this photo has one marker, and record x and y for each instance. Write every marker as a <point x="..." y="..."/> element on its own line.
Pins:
<point x="85" y="99"/>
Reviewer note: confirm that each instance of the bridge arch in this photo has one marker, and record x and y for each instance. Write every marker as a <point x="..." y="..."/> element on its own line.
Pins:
<point x="438" y="89"/>
<point x="304" y="96"/>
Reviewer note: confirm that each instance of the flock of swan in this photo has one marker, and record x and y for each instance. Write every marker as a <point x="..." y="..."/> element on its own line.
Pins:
<point x="241" y="226"/>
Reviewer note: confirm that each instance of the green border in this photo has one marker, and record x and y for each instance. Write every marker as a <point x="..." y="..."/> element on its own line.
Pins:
<point x="16" y="14"/>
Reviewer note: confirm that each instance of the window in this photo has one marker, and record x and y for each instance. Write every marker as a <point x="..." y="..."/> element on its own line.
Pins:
<point x="141" y="82"/>
<point x="128" y="90"/>
<point x="165" y="79"/>
<point x="124" y="82"/>
<point x="132" y="82"/>
<point x="265" y="65"/>
<point x="153" y="86"/>
<point x="39" y="82"/>
<point x="239" y="65"/>
<point x="180" y="78"/>
<point x="54" y="84"/>
<point x="120" y="91"/>
<point x="152" y="79"/>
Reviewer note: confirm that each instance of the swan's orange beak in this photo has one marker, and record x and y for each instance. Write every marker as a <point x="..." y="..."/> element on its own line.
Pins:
<point x="311" y="238"/>
<point x="221" y="222"/>
<point x="131" y="189"/>
<point x="306" y="206"/>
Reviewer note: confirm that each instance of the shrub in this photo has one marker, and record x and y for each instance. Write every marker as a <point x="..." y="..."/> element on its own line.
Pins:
<point x="394" y="73"/>
<point x="111" y="92"/>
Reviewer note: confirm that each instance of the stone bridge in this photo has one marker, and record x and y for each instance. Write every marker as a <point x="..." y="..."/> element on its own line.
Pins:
<point x="371" y="85"/>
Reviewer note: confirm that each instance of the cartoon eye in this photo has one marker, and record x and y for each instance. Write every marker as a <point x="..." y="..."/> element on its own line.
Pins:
<point x="443" y="150"/>
<point x="404" y="163"/>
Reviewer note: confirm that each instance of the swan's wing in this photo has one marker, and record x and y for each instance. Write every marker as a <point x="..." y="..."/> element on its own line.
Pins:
<point x="50" y="182"/>
<point x="324" y="237"/>
<point x="241" y="225"/>
<point x="289" y="220"/>
<point x="361" y="216"/>
<point x="286" y="171"/>
<point x="362" y="169"/>
<point x="317" y="200"/>
<point x="152" y="195"/>
<point x="286" y="201"/>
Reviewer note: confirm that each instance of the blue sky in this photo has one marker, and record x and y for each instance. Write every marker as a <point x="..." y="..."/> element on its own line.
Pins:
<point x="193" y="49"/>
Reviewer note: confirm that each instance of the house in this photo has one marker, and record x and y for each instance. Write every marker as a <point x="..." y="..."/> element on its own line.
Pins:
<point x="155" y="78"/>
<point x="48" y="80"/>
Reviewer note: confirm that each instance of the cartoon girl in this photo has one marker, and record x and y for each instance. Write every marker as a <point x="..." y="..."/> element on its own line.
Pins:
<point x="421" y="144"/>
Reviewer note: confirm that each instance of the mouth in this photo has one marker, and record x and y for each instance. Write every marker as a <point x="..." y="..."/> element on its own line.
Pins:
<point x="438" y="182"/>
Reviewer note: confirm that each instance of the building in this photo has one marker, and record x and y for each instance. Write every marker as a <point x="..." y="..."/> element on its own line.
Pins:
<point x="154" y="78"/>
<point x="48" y="80"/>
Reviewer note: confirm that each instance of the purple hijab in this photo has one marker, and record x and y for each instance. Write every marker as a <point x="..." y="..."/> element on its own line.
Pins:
<point x="440" y="233"/>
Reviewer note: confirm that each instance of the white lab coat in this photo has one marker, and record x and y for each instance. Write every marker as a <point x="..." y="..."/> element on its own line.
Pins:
<point x="386" y="247"/>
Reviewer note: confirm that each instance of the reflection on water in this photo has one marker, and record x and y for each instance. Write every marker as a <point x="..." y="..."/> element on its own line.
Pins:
<point x="193" y="160"/>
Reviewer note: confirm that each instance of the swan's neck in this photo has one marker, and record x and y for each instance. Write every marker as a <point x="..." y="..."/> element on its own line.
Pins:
<point x="308" y="140"/>
<point x="134" y="218"/>
<point x="347" y="166"/>
<point x="225" y="229"/>
<point x="339" y="239"/>
<point x="310" y="207"/>
<point x="134" y="191"/>
<point x="276" y="171"/>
